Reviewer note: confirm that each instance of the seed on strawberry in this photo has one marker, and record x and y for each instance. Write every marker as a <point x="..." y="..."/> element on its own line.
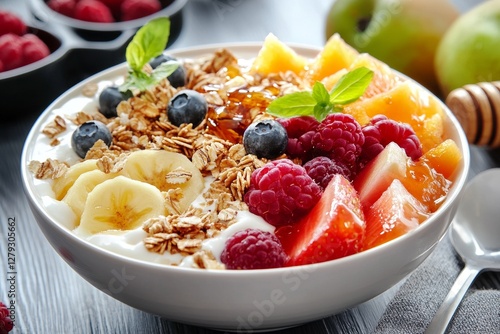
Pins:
<point x="93" y="11"/>
<point x="134" y="9"/>
<point x="11" y="23"/>
<point x="253" y="249"/>
<point x="281" y="192"/>
<point x="334" y="228"/>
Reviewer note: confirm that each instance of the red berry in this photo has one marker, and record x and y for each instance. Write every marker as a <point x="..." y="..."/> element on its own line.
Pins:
<point x="6" y="323"/>
<point x="134" y="9"/>
<point x="334" y="228"/>
<point x="381" y="131"/>
<point x="11" y="23"/>
<point x="10" y="51"/>
<point x="33" y="48"/>
<point x="300" y="131"/>
<point x="64" y="7"/>
<point x="253" y="249"/>
<point x="339" y="136"/>
<point x="322" y="170"/>
<point x="281" y="192"/>
<point x="93" y="11"/>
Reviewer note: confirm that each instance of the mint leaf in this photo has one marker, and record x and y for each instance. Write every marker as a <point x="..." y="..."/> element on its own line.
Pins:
<point x="294" y="104"/>
<point x="351" y="86"/>
<point x="323" y="105"/>
<point x="147" y="43"/>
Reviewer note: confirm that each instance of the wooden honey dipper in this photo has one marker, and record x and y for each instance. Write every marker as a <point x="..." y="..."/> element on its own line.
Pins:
<point x="477" y="108"/>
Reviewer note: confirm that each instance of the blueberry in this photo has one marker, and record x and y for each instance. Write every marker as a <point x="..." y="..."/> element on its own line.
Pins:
<point x="187" y="106"/>
<point x="178" y="77"/>
<point x="265" y="139"/>
<point x="109" y="98"/>
<point x="87" y="134"/>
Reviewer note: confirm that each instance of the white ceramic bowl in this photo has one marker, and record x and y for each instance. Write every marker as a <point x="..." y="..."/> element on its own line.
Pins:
<point x="239" y="300"/>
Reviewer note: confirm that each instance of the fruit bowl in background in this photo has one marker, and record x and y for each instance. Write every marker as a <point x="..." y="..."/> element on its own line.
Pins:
<point x="241" y="300"/>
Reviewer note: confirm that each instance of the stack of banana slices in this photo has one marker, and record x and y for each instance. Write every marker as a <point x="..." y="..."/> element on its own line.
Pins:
<point x="126" y="199"/>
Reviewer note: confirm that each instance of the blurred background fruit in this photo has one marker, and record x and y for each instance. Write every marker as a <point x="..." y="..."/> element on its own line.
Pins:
<point x="403" y="33"/>
<point x="469" y="52"/>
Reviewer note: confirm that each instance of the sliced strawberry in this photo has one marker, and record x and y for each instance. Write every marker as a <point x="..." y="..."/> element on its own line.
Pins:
<point x="395" y="213"/>
<point x="334" y="228"/>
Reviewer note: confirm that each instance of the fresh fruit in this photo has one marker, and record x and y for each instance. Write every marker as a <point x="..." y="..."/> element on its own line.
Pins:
<point x="394" y="214"/>
<point x="84" y="184"/>
<point x="93" y="11"/>
<point x="178" y="77"/>
<point x="134" y="9"/>
<point x="63" y="183"/>
<point x="334" y="228"/>
<point x="253" y="249"/>
<point x="300" y="131"/>
<point x="468" y="52"/>
<point x="322" y="169"/>
<point x="409" y="29"/>
<point x="64" y="7"/>
<point x="121" y="204"/>
<point x="109" y="99"/>
<point x="281" y="192"/>
<point x="376" y="177"/>
<point x="11" y="52"/>
<point x="406" y="103"/>
<point x="187" y="106"/>
<point x="166" y="171"/>
<point x="87" y="134"/>
<point x="33" y="49"/>
<point x="265" y="139"/>
<point x="6" y="323"/>
<point x="335" y="56"/>
<point x="339" y="136"/>
<point x="444" y="158"/>
<point x="11" y="23"/>
<point x="277" y="57"/>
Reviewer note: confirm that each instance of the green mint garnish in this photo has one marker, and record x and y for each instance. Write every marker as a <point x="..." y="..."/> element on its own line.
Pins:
<point x="319" y="102"/>
<point x="149" y="42"/>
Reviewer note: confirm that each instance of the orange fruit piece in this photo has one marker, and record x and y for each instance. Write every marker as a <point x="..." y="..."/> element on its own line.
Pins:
<point x="277" y="57"/>
<point x="335" y="55"/>
<point x="444" y="158"/>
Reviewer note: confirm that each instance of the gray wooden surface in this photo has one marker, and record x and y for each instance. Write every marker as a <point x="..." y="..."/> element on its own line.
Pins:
<point x="50" y="297"/>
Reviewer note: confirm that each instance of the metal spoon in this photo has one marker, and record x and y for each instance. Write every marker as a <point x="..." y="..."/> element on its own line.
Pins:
<point x="475" y="234"/>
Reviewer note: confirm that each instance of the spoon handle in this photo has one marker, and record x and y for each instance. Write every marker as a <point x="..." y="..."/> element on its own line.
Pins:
<point x="445" y="312"/>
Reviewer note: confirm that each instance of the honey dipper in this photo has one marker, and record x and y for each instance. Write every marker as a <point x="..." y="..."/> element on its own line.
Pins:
<point x="477" y="108"/>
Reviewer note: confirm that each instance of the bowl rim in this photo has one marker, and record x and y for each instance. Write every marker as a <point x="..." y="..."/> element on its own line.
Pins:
<point x="242" y="47"/>
<point x="40" y="7"/>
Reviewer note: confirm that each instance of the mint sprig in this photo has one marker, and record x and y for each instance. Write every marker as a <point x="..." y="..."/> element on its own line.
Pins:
<point x="148" y="42"/>
<point x="319" y="102"/>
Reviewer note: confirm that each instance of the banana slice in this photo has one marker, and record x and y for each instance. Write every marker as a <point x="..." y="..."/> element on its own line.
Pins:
<point x="121" y="204"/>
<point x="84" y="184"/>
<point x="63" y="183"/>
<point x="166" y="170"/>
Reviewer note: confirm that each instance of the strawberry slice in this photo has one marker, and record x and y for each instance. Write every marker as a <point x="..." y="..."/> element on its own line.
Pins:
<point x="334" y="228"/>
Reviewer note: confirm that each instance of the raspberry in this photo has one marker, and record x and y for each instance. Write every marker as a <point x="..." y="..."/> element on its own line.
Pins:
<point x="322" y="170"/>
<point x="10" y="51"/>
<point x="64" y="7"/>
<point x="253" y="249"/>
<point x="381" y="131"/>
<point x="339" y="136"/>
<point x="134" y="9"/>
<point x="10" y="23"/>
<point x="300" y="131"/>
<point x="6" y="323"/>
<point x="93" y="11"/>
<point x="33" y="49"/>
<point x="281" y="192"/>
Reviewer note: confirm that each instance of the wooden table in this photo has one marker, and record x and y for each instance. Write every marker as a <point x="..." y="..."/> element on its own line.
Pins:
<point x="50" y="297"/>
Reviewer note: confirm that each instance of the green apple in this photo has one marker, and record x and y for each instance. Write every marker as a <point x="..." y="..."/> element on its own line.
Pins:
<point x="470" y="50"/>
<point x="402" y="33"/>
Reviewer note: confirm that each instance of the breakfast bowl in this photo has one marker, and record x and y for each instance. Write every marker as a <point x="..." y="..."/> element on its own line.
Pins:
<point x="235" y="300"/>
